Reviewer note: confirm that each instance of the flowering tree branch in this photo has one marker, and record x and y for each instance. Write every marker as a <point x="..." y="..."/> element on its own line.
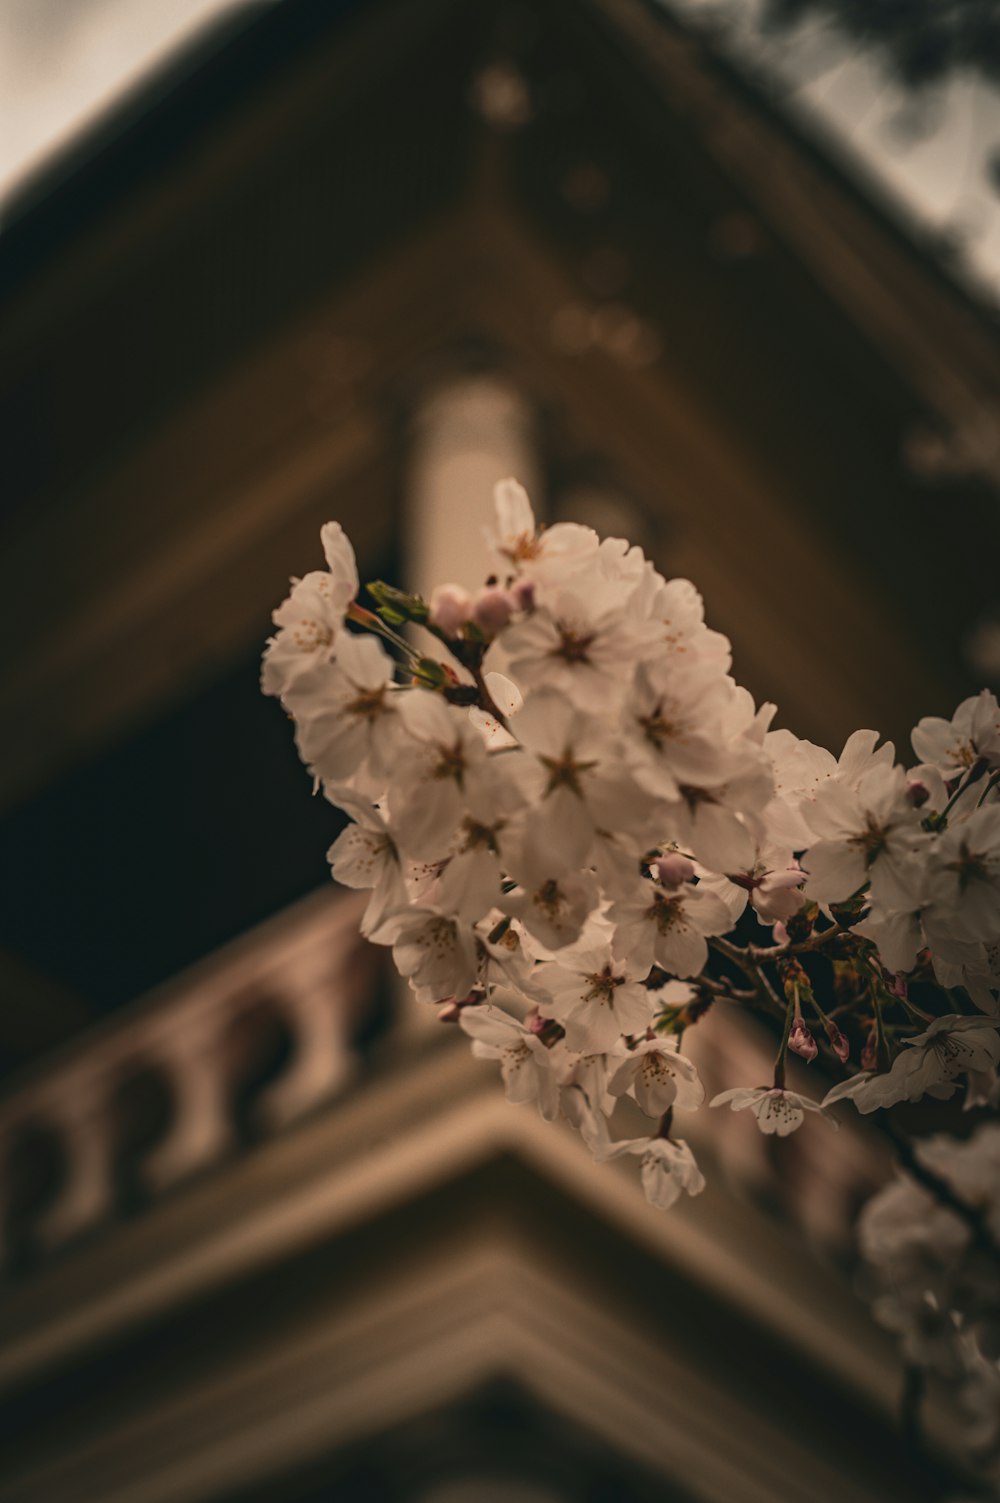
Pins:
<point x="578" y="829"/>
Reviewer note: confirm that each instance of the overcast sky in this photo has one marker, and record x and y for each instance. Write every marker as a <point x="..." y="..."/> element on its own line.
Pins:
<point x="63" y="62"/>
<point x="931" y="154"/>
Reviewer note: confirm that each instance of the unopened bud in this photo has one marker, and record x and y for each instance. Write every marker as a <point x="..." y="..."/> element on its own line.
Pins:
<point x="674" y="870"/>
<point x="917" y="792"/>
<point x="869" y="1054"/>
<point x="546" y="1030"/>
<point x="838" y="1042"/>
<point x="492" y="609"/>
<point x="522" y="592"/>
<point x="801" y="1041"/>
<point x="394" y="606"/>
<point x="451" y="1007"/>
<point x="430" y="674"/>
<point x="451" y="608"/>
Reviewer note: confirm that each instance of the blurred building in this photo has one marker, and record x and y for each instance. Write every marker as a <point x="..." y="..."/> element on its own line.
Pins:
<point x="269" y="1234"/>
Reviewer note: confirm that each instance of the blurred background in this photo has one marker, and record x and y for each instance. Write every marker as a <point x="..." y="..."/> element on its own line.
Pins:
<point x="724" y="279"/>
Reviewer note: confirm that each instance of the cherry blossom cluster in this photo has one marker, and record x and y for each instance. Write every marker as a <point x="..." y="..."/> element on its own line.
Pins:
<point x="566" y="809"/>
<point x="580" y="834"/>
<point x="935" y="1277"/>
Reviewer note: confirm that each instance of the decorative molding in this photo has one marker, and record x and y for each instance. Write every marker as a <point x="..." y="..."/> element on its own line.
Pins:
<point x="308" y="965"/>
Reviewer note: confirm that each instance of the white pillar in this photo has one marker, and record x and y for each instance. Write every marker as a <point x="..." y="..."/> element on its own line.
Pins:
<point x="467" y="435"/>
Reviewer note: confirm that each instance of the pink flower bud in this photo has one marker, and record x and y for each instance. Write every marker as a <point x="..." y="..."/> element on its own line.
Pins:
<point x="451" y="1007"/>
<point x="917" y="792"/>
<point x="838" y="1042"/>
<point x="779" y="933"/>
<point x="522" y="592"/>
<point x="897" y="985"/>
<point x="493" y="608"/>
<point x="801" y="1041"/>
<point x="674" y="870"/>
<point x="451" y="607"/>
<point x="869" y="1054"/>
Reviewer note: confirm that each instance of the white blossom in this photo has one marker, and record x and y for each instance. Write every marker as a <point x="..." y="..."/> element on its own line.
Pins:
<point x="312" y="616"/>
<point x="658" y="1076"/>
<point x="775" y="1109"/>
<point x="538" y="553"/>
<point x="575" y="646"/>
<point x="867" y="834"/>
<point x="927" y="1063"/>
<point x="668" y="928"/>
<point x="597" y="998"/>
<point x="525" y="1063"/>
<point x="955" y="746"/>
<point x="563" y="807"/>
<point x="346" y="713"/>
<point x="669" y="1169"/>
<point x="434" y="950"/>
<point x="365" y="855"/>
<point x="442" y="768"/>
<point x="963" y="878"/>
<point x="566" y="808"/>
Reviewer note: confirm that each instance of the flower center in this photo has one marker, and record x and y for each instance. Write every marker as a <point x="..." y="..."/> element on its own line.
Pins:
<point x="602" y="986"/>
<point x="548" y="898"/>
<point x="308" y="634"/>
<point x="574" y="647"/>
<point x="451" y="763"/>
<point x="665" y="912"/>
<point x="480" y="837"/>
<point x="657" y="728"/>
<point x="871" y="841"/>
<point x="695" y="796"/>
<point x="368" y="704"/>
<point x="970" y="867"/>
<point x="524" y="548"/>
<point x="564" y="772"/>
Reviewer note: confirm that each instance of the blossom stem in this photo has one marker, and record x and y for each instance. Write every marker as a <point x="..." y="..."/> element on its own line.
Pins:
<point x="779" y="1064"/>
<point x="881" y="1042"/>
<point x="724" y="991"/>
<point x="886" y="996"/>
<point x="800" y="947"/>
<point x="993" y="782"/>
<point x="368" y="619"/>
<point x="938" y="821"/>
<point x="763" y="991"/>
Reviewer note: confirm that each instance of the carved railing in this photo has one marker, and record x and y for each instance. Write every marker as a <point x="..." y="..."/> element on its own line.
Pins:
<point x="241" y="1045"/>
<point x="265" y="1032"/>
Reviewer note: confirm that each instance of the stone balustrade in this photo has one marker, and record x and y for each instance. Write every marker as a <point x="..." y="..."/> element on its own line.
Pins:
<point x="264" y="1032"/>
<point x="251" y="1039"/>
